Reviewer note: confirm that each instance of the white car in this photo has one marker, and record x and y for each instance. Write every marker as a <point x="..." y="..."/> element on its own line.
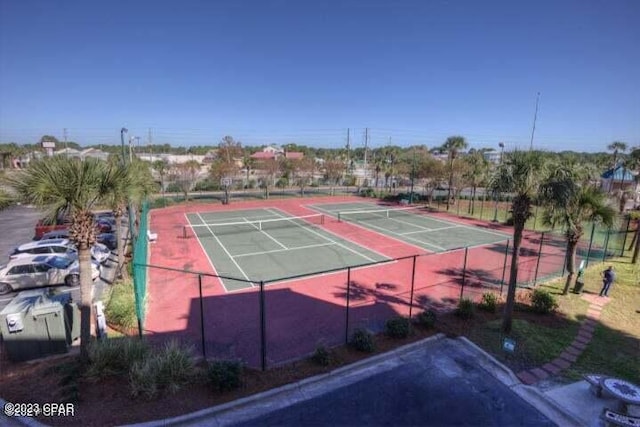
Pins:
<point x="42" y="270"/>
<point x="99" y="252"/>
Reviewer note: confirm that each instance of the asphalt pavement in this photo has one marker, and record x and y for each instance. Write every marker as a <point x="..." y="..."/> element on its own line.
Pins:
<point x="17" y="226"/>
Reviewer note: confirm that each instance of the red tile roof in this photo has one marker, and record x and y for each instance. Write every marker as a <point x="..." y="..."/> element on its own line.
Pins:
<point x="263" y="155"/>
<point x="294" y="155"/>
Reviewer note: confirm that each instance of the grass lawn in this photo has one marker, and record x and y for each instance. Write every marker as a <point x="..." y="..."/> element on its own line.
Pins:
<point x="615" y="347"/>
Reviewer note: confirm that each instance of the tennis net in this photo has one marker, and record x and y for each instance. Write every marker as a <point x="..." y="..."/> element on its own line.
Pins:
<point x="373" y="214"/>
<point x="204" y="230"/>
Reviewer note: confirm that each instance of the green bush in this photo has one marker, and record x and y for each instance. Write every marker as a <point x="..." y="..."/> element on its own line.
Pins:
<point x="174" y="188"/>
<point x="206" y="185"/>
<point x="427" y="318"/>
<point x="362" y="340"/>
<point x="120" y="309"/>
<point x="543" y="302"/>
<point x="321" y="356"/>
<point x="224" y="375"/>
<point x="397" y="327"/>
<point x="115" y="356"/>
<point x="167" y="370"/>
<point x="161" y="202"/>
<point x="466" y="309"/>
<point x="489" y="302"/>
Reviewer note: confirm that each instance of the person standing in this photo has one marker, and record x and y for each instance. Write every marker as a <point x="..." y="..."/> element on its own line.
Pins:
<point x="608" y="276"/>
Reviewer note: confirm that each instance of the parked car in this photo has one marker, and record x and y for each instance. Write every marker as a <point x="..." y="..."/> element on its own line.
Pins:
<point x="105" y="226"/>
<point x="44" y="226"/>
<point x="99" y="252"/>
<point x="41" y="270"/>
<point x="56" y="234"/>
<point x="108" y="239"/>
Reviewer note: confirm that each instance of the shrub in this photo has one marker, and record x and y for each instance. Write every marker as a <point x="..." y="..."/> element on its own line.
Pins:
<point x="489" y="302"/>
<point x="465" y="308"/>
<point x="114" y="356"/>
<point x="321" y="356"/>
<point x="167" y="370"/>
<point x="120" y="309"/>
<point x="224" y="375"/>
<point x="427" y="318"/>
<point x="362" y="340"/>
<point x="161" y="203"/>
<point x="543" y="302"/>
<point x="397" y="327"/>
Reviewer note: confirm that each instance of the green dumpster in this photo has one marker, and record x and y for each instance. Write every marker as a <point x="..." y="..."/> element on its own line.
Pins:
<point x="37" y="324"/>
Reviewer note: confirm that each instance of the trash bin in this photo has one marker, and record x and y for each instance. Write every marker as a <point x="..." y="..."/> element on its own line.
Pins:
<point x="579" y="280"/>
<point x="35" y="324"/>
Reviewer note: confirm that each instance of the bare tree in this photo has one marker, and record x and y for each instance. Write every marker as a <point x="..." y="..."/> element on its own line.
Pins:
<point x="186" y="175"/>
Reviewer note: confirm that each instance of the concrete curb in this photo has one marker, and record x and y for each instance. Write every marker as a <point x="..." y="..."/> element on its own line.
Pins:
<point x="530" y="394"/>
<point x="289" y="394"/>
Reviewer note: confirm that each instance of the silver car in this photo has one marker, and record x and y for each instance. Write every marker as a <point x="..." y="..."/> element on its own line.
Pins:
<point x="42" y="270"/>
<point x="99" y="252"/>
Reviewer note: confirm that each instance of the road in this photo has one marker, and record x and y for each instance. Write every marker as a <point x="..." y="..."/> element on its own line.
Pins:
<point x="17" y="227"/>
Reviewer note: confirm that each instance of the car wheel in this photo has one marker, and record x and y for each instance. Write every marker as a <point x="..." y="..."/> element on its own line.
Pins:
<point x="5" y="288"/>
<point x="72" y="280"/>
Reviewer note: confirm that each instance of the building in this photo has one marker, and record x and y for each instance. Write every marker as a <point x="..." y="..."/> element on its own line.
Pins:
<point x="619" y="178"/>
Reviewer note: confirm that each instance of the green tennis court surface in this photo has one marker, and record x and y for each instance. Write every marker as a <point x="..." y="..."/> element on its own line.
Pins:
<point x="268" y="244"/>
<point x="411" y="225"/>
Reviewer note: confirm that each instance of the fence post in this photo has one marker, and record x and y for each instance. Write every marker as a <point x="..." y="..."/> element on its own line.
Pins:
<point x="535" y="277"/>
<point x="535" y="218"/>
<point x="413" y="279"/>
<point x="606" y="244"/>
<point x="624" y="242"/>
<point x="484" y="196"/>
<point x="346" y="328"/>
<point x="593" y="230"/>
<point x="263" y="330"/>
<point x="458" y="207"/>
<point x="504" y="266"/>
<point x="464" y="271"/>
<point x="204" y="351"/>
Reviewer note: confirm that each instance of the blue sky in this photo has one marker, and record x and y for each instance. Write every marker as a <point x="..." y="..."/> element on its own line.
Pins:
<point x="305" y="71"/>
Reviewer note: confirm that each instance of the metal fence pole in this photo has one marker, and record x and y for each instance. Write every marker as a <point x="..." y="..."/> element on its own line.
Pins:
<point x="458" y="207"/>
<point x="413" y="280"/>
<point x="263" y="330"/>
<point x="606" y="244"/>
<point x="464" y="271"/>
<point x="484" y="196"/>
<point x="624" y="242"/>
<point x="346" y="328"/>
<point x="535" y="277"/>
<point x="535" y="218"/>
<point x="204" y="351"/>
<point x="593" y="230"/>
<point x="504" y="266"/>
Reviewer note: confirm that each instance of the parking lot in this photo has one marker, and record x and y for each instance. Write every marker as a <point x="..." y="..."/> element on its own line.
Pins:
<point x="17" y="227"/>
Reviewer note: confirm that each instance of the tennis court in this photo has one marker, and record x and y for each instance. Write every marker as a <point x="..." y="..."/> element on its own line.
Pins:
<point x="412" y="225"/>
<point x="268" y="244"/>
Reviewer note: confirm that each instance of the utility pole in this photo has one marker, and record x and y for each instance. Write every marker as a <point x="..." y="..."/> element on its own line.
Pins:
<point x="122" y="132"/>
<point x="366" y="141"/>
<point x="130" y="152"/>
<point x="64" y="132"/>
<point x="535" y="117"/>
<point x="150" y="147"/>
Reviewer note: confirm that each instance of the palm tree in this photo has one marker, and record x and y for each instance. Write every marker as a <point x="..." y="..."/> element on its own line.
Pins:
<point x="475" y="174"/>
<point x="616" y="147"/>
<point x="453" y="145"/>
<point x="71" y="187"/>
<point x="520" y="173"/>
<point x="162" y="167"/>
<point x="570" y="203"/>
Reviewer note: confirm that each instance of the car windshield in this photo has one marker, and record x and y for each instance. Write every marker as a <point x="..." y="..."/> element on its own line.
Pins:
<point x="60" y="262"/>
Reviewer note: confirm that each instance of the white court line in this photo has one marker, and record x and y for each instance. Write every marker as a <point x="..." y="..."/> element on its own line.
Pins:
<point x="285" y="249"/>
<point x="227" y="252"/>
<point x="386" y="230"/>
<point x="461" y="225"/>
<point x="266" y="234"/>
<point x="207" y="255"/>
<point x="330" y="240"/>
<point x="354" y="224"/>
<point x="428" y="230"/>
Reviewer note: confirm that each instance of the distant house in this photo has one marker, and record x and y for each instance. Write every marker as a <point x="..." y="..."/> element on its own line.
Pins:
<point x="618" y="178"/>
<point x="273" y="152"/>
